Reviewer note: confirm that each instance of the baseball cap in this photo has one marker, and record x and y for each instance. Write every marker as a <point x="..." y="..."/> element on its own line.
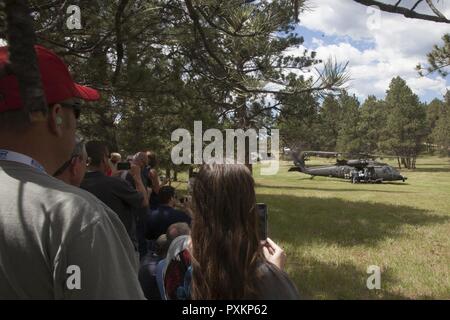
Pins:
<point x="56" y="80"/>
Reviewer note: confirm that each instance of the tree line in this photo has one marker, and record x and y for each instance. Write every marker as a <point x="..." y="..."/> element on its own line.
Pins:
<point x="398" y="125"/>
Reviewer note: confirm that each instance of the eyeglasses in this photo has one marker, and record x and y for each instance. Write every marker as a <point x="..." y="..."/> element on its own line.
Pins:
<point x="76" y="107"/>
<point x="66" y="165"/>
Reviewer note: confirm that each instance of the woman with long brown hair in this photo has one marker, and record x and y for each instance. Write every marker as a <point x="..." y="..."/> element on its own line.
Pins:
<point x="228" y="258"/>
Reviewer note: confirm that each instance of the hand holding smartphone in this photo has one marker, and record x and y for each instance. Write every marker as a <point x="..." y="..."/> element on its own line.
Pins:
<point x="274" y="253"/>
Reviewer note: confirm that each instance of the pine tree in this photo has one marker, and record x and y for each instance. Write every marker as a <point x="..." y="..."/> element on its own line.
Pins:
<point x="349" y="137"/>
<point x="300" y="126"/>
<point x="183" y="60"/>
<point x="330" y="119"/>
<point x="373" y="117"/>
<point x="434" y="110"/>
<point x="438" y="58"/>
<point x="441" y="131"/>
<point x="405" y="128"/>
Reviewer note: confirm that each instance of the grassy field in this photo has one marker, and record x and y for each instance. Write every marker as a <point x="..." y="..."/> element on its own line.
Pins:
<point x="333" y="230"/>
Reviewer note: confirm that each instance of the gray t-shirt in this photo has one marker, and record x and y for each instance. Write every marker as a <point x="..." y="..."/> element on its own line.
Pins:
<point x="55" y="238"/>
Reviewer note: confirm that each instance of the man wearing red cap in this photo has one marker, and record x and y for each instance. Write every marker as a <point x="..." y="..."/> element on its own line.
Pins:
<point x="56" y="241"/>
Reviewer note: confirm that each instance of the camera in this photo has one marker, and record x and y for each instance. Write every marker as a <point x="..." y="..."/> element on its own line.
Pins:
<point x="123" y="166"/>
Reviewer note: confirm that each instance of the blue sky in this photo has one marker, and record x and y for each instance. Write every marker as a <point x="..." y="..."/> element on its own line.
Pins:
<point x="378" y="45"/>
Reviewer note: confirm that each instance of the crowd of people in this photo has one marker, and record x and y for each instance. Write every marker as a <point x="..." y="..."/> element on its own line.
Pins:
<point x="65" y="203"/>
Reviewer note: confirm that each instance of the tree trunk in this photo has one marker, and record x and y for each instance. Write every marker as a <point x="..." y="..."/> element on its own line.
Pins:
<point x="247" y="156"/>
<point x="404" y="163"/>
<point x="168" y="173"/>
<point x="244" y="125"/>
<point x="407" y="162"/>
<point x="114" y="143"/>
<point x="21" y="41"/>
<point x="399" y="164"/>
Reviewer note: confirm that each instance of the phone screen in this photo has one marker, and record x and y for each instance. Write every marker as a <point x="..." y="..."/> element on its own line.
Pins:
<point x="123" y="166"/>
<point x="262" y="215"/>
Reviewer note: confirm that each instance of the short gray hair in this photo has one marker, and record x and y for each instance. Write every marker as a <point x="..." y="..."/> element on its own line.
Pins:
<point x="177" y="229"/>
<point x="140" y="156"/>
<point x="80" y="148"/>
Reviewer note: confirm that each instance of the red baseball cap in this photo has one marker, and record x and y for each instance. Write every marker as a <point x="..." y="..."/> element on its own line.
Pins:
<point x="56" y="80"/>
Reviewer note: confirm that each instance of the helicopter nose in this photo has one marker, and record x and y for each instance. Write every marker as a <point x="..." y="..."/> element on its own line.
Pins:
<point x="404" y="178"/>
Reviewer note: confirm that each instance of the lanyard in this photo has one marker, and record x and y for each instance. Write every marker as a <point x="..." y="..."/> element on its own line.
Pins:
<point x="8" y="155"/>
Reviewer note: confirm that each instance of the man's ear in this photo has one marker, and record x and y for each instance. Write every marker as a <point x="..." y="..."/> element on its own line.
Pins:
<point x="74" y="166"/>
<point x="105" y="163"/>
<point x="55" y="120"/>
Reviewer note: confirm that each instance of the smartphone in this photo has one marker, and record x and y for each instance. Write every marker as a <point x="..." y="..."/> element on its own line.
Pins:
<point x="123" y="166"/>
<point x="262" y="217"/>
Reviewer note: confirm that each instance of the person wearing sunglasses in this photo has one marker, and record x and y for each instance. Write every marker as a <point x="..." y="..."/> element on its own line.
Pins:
<point x="73" y="170"/>
<point x="57" y="241"/>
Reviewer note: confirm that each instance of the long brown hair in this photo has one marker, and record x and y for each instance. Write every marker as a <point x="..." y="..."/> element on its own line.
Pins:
<point x="226" y="249"/>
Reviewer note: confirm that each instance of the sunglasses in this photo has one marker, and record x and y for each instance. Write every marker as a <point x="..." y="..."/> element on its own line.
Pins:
<point x="76" y="107"/>
<point x="66" y="165"/>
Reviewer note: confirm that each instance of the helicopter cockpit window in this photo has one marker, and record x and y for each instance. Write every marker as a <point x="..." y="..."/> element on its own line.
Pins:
<point x="393" y="170"/>
<point x="388" y="170"/>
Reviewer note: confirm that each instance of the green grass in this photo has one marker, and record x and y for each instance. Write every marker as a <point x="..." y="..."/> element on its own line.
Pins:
<point x="333" y="230"/>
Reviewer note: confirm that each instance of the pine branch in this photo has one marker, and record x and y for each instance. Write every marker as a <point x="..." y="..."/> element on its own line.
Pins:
<point x="119" y="40"/>
<point x="408" y="13"/>
<point x="198" y="27"/>
<point x="416" y="4"/>
<point x="433" y="8"/>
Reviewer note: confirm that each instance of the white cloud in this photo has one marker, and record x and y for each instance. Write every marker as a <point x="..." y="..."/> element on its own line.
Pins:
<point x="335" y="18"/>
<point x="420" y="85"/>
<point x="397" y="45"/>
<point x="318" y="42"/>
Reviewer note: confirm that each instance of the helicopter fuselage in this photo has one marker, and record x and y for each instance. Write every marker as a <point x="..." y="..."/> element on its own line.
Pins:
<point x="357" y="171"/>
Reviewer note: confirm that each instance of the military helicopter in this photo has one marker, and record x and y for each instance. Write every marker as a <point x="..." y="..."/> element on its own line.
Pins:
<point x="362" y="170"/>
